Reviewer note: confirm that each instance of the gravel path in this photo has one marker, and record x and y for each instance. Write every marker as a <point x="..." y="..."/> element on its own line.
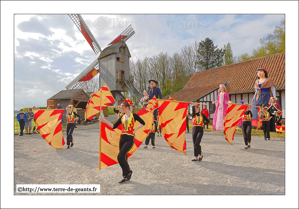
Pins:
<point x="225" y="169"/>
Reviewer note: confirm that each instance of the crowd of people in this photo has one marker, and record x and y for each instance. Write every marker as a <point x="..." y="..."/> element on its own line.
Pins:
<point x="265" y="108"/>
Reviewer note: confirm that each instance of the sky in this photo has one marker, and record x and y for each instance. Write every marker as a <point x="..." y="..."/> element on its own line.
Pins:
<point x="50" y="51"/>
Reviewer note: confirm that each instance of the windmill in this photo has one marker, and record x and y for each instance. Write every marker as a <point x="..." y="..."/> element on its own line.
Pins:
<point x="112" y="64"/>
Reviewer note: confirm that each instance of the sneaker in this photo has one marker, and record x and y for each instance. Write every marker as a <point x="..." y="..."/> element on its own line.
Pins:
<point x="246" y="147"/>
<point x="123" y="180"/>
<point x="194" y="160"/>
<point x="265" y="139"/>
<point x="145" y="147"/>
<point x="269" y="139"/>
<point x="68" y="146"/>
<point x="72" y="144"/>
<point x="154" y="147"/>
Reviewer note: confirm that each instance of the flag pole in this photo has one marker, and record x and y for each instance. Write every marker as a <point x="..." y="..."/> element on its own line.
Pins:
<point x="100" y="124"/>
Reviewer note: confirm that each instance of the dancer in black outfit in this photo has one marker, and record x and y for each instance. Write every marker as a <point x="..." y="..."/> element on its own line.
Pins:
<point x="197" y="130"/>
<point x="72" y="117"/>
<point x="265" y="115"/>
<point x="126" y="141"/>
<point x="246" y="127"/>
<point x="151" y="136"/>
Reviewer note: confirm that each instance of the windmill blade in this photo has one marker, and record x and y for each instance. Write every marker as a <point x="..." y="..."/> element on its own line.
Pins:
<point x="124" y="36"/>
<point x="87" y="74"/>
<point x="83" y="28"/>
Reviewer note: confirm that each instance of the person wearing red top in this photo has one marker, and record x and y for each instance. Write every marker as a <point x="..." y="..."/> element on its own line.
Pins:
<point x="126" y="142"/>
<point x="197" y="130"/>
<point x="205" y="112"/>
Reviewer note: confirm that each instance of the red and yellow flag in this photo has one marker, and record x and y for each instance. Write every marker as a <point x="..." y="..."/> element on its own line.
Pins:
<point x="233" y="115"/>
<point x="110" y="138"/>
<point x="48" y="122"/>
<point x="93" y="105"/>
<point x="280" y="129"/>
<point x="172" y="119"/>
<point x="152" y="104"/>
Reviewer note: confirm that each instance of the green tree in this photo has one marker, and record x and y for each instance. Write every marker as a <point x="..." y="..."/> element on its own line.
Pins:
<point x="271" y="44"/>
<point x="208" y="55"/>
<point x="219" y="57"/>
<point x="228" y="55"/>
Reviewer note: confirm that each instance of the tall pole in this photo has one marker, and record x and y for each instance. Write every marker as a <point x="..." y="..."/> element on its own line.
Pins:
<point x="100" y="124"/>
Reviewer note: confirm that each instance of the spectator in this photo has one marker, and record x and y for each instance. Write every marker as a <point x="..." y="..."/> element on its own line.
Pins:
<point x="205" y="112"/>
<point x="28" y="123"/>
<point x="59" y="107"/>
<point x="21" y="118"/>
<point x="34" y="109"/>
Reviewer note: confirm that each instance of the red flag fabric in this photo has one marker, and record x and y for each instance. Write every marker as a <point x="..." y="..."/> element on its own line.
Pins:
<point x="48" y="122"/>
<point x="280" y="129"/>
<point x="233" y="115"/>
<point x="93" y="105"/>
<point x="110" y="138"/>
<point x="172" y="119"/>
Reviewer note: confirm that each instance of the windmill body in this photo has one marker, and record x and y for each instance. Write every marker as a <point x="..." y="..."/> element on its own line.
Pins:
<point x="112" y="63"/>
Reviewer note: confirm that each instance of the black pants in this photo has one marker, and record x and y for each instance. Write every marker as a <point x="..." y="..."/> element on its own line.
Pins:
<point x="246" y="129"/>
<point x="151" y="135"/>
<point x="69" y="131"/>
<point x="155" y="119"/>
<point x="126" y="143"/>
<point x="207" y="125"/>
<point x="187" y="124"/>
<point x="22" y="125"/>
<point x="266" y="129"/>
<point x="197" y="133"/>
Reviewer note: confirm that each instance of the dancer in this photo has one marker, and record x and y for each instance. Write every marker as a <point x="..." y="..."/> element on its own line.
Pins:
<point x="144" y="99"/>
<point x="126" y="141"/>
<point x="247" y="126"/>
<point x="265" y="115"/>
<point x="272" y="109"/>
<point x="263" y="86"/>
<point x="151" y="136"/>
<point x="222" y="103"/>
<point x="71" y="117"/>
<point x="197" y="130"/>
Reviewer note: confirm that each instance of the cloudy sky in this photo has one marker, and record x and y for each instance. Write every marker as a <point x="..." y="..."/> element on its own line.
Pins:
<point x="50" y="51"/>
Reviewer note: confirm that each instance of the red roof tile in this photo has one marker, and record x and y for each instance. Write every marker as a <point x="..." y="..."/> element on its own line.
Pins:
<point x="241" y="77"/>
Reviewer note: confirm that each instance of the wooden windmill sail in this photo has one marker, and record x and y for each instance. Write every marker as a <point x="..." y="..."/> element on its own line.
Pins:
<point x="112" y="63"/>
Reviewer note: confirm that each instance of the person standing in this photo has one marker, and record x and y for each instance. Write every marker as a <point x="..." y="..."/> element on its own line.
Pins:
<point x="144" y="100"/>
<point x="265" y="115"/>
<point x="21" y="117"/>
<point x="151" y="136"/>
<point x="197" y="130"/>
<point x="72" y="117"/>
<point x="154" y="91"/>
<point x="222" y="104"/>
<point x="263" y="87"/>
<point x="127" y="136"/>
<point x="247" y="126"/>
<point x="205" y="112"/>
<point x="28" y="123"/>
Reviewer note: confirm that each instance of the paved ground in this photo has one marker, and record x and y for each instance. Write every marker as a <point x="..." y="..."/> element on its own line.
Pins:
<point x="225" y="169"/>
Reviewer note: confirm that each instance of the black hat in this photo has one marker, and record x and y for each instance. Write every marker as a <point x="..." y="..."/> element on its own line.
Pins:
<point x="153" y="80"/>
